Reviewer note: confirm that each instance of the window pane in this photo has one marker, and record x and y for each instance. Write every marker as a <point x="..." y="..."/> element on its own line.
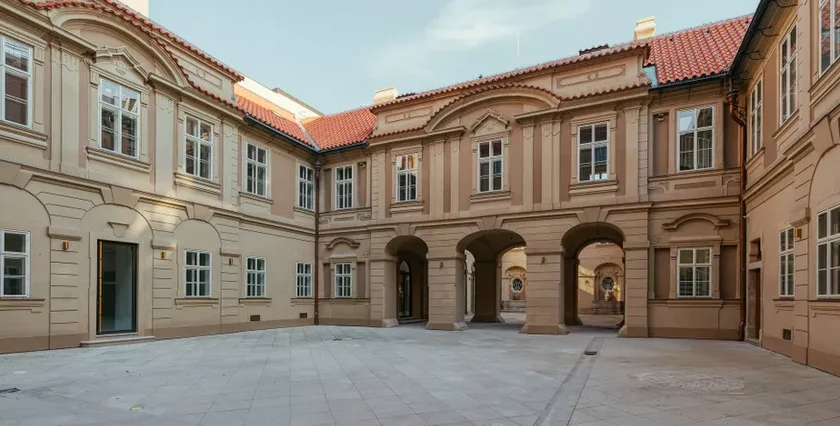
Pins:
<point x="109" y="92"/>
<point x="834" y="259"/>
<point x="585" y="134"/>
<point x="192" y="126"/>
<point x="825" y="36"/>
<point x="687" y="151"/>
<point x="191" y="258"/>
<point x="17" y="56"/>
<point x="686" y="281"/>
<point x="13" y="242"/>
<point x="129" y="135"/>
<point x="484" y="184"/>
<point x="704" y="117"/>
<point x="601" y="132"/>
<point x="685" y="120"/>
<point x="107" y="123"/>
<point x="203" y="276"/>
<point x="497" y="183"/>
<point x="821" y="256"/>
<point x="497" y="148"/>
<point x="790" y="239"/>
<point x="411" y="162"/>
<point x="793" y="40"/>
<point x="822" y="282"/>
<point x="835" y="221"/>
<point x="204" y="259"/>
<point x="15" y="111"/>
<point x="206" y="131"/>
<point x="483" y="150"/>
<point x="129" y="100"/>
<point x="686" y="257"/>
<point x="17" y="87"/>
<point x="703" y="256"/>
<point x="14" y="266"/>
<point x="822" y="225"/>
<point x="484" y="169"/>
<point x="836" y="31"/>
<point x="204" y="169"/>
<point x="14" y="286"/>
<point x="497" y="167"/>
<point x="190" y="160"/>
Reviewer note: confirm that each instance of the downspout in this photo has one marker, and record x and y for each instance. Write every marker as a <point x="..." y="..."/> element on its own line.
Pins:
<point x="734" y="113"/>
<point x="316" y="266"/>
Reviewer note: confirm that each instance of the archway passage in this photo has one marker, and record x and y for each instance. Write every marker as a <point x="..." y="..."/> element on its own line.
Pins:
<point x="594" y="266"/>
<point x="485" y="278"/>
<point x="411" y="295"/>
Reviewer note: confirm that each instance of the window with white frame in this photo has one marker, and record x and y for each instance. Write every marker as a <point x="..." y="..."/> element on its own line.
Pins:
<point x="16" y="84"/>
<point x="786" y="262"/>
<point x="199" y="149"/>
<point x="787" y="75"/>
<point x="306" y="187"/>
<point x="490" y="165"/>
<point x="256" y="170"/>
<point x="119" y="110"/>
<point x="343" y="280"/>
<point x="344" y="187"/>
<point x="593" y="151"/>
<point x="197" y="269"/>
<point x="406" y="177"/>
<point x="695" y="139"/>
<point x="14" y="263"/>
<point x="828" y="252"/>
<point x="755" y="117"/>
<point x="829" y="43"/>
<point x="255" y="277"/>
<point x="694" y="272"/>
<point x="303" y="280"/>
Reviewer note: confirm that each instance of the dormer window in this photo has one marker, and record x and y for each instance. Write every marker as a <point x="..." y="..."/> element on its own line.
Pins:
<point x="119" y="111"/>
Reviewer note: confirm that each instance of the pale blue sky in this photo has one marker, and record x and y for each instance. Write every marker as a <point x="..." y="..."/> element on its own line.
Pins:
<point x="333" y="54"/>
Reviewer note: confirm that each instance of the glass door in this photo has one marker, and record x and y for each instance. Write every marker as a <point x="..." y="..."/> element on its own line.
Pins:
<point x="117" y="288"/>
<point x="404" y="297"/>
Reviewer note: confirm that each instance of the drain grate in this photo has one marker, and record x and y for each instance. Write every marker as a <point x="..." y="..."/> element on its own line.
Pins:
<point x="590" y="353"/>
<point x="337" y="339"/>
<point x="9" y="390"/>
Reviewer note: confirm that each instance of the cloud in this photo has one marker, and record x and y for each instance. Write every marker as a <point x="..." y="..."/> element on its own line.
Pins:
<point x="464" y="25"/>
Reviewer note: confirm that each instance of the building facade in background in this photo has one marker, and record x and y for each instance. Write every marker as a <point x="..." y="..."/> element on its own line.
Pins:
<point x="151" y="191"/>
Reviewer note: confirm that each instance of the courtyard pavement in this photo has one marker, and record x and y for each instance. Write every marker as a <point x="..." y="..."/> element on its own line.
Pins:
<point x="407" y="376"/>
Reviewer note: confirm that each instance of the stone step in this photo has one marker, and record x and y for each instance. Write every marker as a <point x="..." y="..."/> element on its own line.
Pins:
<point x="122" y="339"/>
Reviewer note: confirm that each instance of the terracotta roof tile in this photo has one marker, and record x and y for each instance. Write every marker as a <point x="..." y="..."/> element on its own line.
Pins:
<point x="127" y="13"/>
<point x="342" y="129"/>
<point x="697" y="52"/>
<point x="270" y="118"/>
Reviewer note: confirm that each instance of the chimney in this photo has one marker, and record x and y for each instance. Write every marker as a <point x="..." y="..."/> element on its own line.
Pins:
<point x="139" y="6"/>
<point x="645" y="28"/>
<point x="385" y="95"/>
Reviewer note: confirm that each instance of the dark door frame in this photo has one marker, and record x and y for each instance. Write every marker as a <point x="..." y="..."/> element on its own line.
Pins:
<point x="134" y="251"/>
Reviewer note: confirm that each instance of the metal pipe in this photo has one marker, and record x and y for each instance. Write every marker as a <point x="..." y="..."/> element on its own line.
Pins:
<point x="316" y="265"/>
<point x="732" y="98"/>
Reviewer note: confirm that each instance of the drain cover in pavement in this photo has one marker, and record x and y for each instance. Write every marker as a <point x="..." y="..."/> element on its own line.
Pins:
<point x="9" y="390"/>
<point x="693" y="381"/>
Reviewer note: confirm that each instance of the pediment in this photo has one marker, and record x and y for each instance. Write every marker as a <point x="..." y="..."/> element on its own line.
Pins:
<point x="491" y="122"/>
<point x="118" y="61"/>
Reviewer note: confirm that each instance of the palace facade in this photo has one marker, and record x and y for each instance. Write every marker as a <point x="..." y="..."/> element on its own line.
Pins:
<point x="149" y="191"/>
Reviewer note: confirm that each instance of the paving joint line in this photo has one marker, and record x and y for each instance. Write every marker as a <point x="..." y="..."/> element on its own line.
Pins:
<point x="562" y="405"/>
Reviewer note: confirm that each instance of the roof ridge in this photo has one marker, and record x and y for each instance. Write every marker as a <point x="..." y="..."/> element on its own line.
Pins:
<point x="701" y="26"/>
<point x="346" y="111"/>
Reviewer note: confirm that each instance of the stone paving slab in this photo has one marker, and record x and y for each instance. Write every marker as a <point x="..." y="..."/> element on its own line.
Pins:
<point x="408" y="376"/>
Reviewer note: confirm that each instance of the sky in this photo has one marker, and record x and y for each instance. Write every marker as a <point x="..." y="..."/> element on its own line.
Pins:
<point x="334" y="54"/>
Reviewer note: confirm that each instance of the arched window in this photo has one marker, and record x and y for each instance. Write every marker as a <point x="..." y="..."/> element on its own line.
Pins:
<point x="516" y="285"/>
<point x="608" y="283"/>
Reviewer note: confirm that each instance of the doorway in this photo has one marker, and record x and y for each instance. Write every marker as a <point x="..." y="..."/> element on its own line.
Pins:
<point x="116" y="288"/>
<point x="753" y="331"/>
<point x="404" y="291"/>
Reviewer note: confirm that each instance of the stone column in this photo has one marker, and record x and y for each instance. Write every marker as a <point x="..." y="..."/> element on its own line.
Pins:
<point x="636" y="291"/>
<point x="570" y="278"/>
<point x="544" y="309"/>
<point x="486" y="293"/>
<point x="383" y="292"/>
<point x="446" y="293"/>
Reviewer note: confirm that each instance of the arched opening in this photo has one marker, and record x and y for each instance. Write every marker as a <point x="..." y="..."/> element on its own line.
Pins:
<point x="495" y="282"/>
<point x="594" y="273"/>
<point x="411" y="295"/>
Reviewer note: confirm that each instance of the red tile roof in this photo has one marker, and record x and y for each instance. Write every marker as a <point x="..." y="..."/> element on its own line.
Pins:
<point x="127" y="13"/>
<point x="342" y="129"/>
<point x="697" y="52"/>
<point x="270" y="118"/>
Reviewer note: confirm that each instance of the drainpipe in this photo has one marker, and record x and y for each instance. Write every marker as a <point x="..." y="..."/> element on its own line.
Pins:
<point x="316" y="266"/>
<point x="732" y="98"/>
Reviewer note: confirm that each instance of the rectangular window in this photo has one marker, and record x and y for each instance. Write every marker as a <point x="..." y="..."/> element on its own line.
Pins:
<point x="694" y="272"/>
<point x="343" y="280"/>
<point x="755" y="117"/>
<point x="695" y="139"/>
<point x="14" y="263"/>
<point x="593" y="152"/>
<point x="490" y="166"/>
<point x="197" y="271"/>
<point x="306" y="187"/>
<point x="303" y="279"/>
<point x="829" y="37"/>
<point x="828" y="252"/>
<point x="257" y="169"/>
<point x="787" y="75"/>
<point x="255" y="277"/>
<point x="344" y="187"/>
<point x="406" y="177"/>
<point x="199" y="155"/>
<point x="16" y="75"/>
<point x="786" y="262"/>
<point x="119" y="110"/>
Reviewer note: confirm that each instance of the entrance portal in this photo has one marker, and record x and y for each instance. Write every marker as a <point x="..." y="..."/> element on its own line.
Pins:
<point x="117" y="288"/>
<point x="489" y="276"/>
<point x="404" y="291"/>
<point x="409" y="301"/>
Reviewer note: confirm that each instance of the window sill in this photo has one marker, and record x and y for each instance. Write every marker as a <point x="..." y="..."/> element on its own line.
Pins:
<point x="406" y="206"/>
<point x="21" y="303"/>
<point x="787" y="125"/>
<point x="484" y="197"/>
<point x="114" y="159"/>
<point x="254" y="301"/>
<point x="22" y="134"/>
<point x="345" y="300"/>
<point x="755" y="158"/>
<point x="305" y="211"/>
<point x="594" y="187"/>
<point x="190" y="181"/>
<point x="296" y="301"/>
<point x="825" y="81"/>
<point x="257" y="198"/>
<point x="197" y="301"/>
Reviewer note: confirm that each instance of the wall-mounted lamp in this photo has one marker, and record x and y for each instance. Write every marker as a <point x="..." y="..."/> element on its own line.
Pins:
<point x="441" y="265"/>
<point x="797" y="232"/>
<point x="542" y="260"/>
<point x="230" y="261"/>
<point x="65" y="245"/>
<point x="163" y="255"/>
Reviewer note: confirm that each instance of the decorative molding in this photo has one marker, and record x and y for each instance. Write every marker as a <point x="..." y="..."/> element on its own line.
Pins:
<point x="528" y="132"/>
<point x="119" y="228"/>
<point x="23" y="135"/>
<point x="714" y="220"/>
<point x="58" y="233"/>
<point x="182" y="179"/>
<point x="342" y="240"/>
<point x="406" y="115"/>
<point x="489" y="123"/>
<point x="107" y="157"/>
<point x="162" y="244"/>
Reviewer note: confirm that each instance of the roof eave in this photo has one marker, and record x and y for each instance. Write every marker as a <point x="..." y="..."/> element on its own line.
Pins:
<point x="344" y="147"/>
<point x="748" y="36"/>
<point x="288" y="138"/>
